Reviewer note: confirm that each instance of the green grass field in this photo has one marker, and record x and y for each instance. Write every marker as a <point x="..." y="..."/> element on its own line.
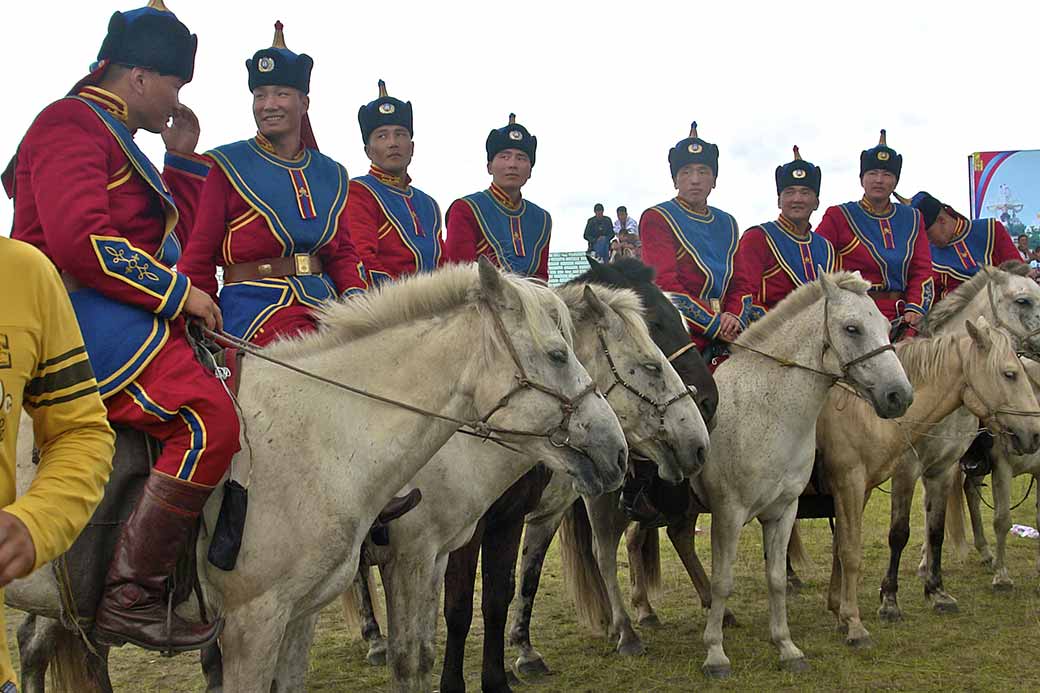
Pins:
<point x="993" y="644"/>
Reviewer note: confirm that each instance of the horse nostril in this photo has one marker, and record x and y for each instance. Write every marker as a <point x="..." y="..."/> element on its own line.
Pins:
<point x="622" y="461"/>
<point x="702" y="456"/>
<point x="1036" y="441"/>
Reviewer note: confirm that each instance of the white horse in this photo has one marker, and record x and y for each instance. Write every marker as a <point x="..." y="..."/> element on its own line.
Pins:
<point x="466" y="476"/>
<point x="1006" y="466"/>
<point x="324" y="462"/>
<point x="763" y="445"/>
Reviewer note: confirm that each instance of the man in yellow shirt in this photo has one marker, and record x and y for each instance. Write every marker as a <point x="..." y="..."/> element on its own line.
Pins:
<point x="44" y="368"/>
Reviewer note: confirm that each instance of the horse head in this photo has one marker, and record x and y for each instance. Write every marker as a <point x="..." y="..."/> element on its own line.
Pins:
<point x="657" y="412"/>
<point x="551" y="409"/>
<point x="665" y="323"/>
<point x="999" y="391"/>
<point x="857" y="335"/>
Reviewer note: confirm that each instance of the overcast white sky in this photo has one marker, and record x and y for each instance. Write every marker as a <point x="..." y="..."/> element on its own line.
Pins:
<point x="606" y="87"/>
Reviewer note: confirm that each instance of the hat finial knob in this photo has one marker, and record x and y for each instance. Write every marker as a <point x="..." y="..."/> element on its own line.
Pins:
<point x="279" y="37"/>
<point x="382" y="89"/>
<point x="157" y="5"/>
<point x="693" y="129"/>
<point x="797" y="154"/>
<point x="902" y="200"/>
<point x="884" y="139"/>
<point x="512" y="119"/>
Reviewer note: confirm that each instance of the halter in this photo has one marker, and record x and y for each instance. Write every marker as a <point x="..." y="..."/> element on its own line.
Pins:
<point x="661" y="407"/>
<point x="1024" y="339"/>
<point x="990" y="416"/>
<point x="558" y="436"/>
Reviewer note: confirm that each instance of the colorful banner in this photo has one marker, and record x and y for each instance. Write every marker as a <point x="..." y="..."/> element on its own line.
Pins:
<point x="1006" y="186"/>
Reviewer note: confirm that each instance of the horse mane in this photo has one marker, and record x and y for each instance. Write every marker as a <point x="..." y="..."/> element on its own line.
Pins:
<point x="626" y="270"/>
<point x="625" y="302"/>
<point x="797" y="301"/>
<point x="423" y="296"/>
<point x="943" y="311"/>
<point x="924" y="358"/>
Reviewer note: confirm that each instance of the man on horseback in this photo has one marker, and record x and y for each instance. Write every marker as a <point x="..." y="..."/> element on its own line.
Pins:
<point x="691" y="245"/>
<point x="271" y="212"/>
<point x="775" y="258"/>
<point x="960" y="248"/>
<point x="498" y="223"/>
<point x="395" y="226"/>
<point x="88" y="197"/>
<point x="883" y="241"/>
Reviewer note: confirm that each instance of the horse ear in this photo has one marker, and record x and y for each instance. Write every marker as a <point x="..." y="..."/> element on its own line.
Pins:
<point x="597" y="308"/>
<point x="492" y="287"/>
<point x="978" y="334"/>
<point x="593" y="262"/>
<point x="830" y="288"/>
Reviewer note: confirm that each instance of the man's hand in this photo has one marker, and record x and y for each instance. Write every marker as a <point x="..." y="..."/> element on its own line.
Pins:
<point x="17" y="551"/>
<point x="200" y="305"/>
<point x="729" y="327"/>
<point x="182" y="135"/>
<point x="911" y="318"/>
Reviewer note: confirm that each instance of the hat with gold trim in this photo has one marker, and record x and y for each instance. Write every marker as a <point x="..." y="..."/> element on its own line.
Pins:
<point x="512" y="136"/>
<point x="928" y="206"/>
<point x="385" y="110"/>
<point x="279" y="66"/>
<point x="798" y="172"/>
<point x="150" y="37"/>
<point x="693" y="150"/>
<point x="881" y="157"/>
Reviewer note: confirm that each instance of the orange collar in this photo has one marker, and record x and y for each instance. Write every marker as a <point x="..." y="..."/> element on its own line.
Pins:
<point x="788" y="226"/>
<point x="387" y="178"/>
<point x="107" y="100"/>
<point x="865" y="204"/>
<point x="266" y="145"/>
<point x="690" y="209"/>
<point x="503" y="198"/>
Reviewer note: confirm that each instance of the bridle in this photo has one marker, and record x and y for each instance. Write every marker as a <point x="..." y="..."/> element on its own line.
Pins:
<point x="1024" y="339"/>
<point x="660" y="407"/>
<point x="989" y="418"/>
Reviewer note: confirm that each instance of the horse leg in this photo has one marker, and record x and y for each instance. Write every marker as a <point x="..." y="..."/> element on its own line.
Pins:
<point x="413" y="585"/>
<point x="251" y="639"/>
<point x="369" y="625"/>
<point x="834" y="586"/>
<point x="725" y="535"/>
<point x="936" y="492"/>
<point x="775" y="536"/>
<point x="848" y="511"/>
<point x="973" y="495"/>
<point x="212" y="668"/>
<point x="608" y="524"/>
<point x="34" y="653"/>
<point x="537" y="538"/>
<point x="904" y="483"/>
<point x="501" y="547"/>
<point x="683" y="533"/>
<point x="293" y="659"/>
<point x="1002" y="582"/>
<point x="636" y="538"/>
<point x="459" y="579"/>
<point x="1036" y="478"/>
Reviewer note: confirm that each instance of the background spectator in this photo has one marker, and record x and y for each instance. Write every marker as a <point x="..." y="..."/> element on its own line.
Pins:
<point x="1023" y="248"/>
<point x="598" y="232"/>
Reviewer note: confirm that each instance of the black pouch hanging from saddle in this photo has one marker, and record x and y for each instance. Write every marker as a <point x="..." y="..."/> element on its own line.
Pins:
<point x="227" y="535"/>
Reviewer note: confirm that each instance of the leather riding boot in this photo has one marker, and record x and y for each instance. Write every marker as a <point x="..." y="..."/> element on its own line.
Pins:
<point x="134" y="606"/>
<point x="379" y="533"/>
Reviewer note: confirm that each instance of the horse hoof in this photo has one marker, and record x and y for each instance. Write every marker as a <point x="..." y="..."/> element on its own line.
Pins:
<point x="946" y="607"/>
<point x="532" y="668"/>
<point x="799" y="665"/>
<point x="717" y="671"/>
<point x="794" y="586"/>
<point x="729" y="620"/>
<point x="376" y="658"/>
<point x="631" y="649"/>
<point x="650" y="621"/>
<point x="512" y="679"/>
<point x="1003" y="587"/>
<point x="864" y="642"/>
<point x="890" y="614"/>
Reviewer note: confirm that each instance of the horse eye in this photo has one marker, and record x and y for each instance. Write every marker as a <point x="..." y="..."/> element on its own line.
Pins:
<point x="558" y="356"/>
<point x="652" y="367"/>
<point x="1010" y="375"/>
<point x="1023" y="301"/>
<point x="852" y="329"/>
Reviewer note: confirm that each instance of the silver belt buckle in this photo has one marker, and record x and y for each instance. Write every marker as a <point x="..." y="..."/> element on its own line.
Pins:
<point x="303" y="263"/>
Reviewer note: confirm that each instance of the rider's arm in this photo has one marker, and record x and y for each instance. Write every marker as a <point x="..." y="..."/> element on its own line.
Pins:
<point x="204" y="247"/>
<point x="920" y="283"/>
<point x="749" y="266"/>
<point x="365" y="225"/>
<point x="460" y="243"/>
<point x="69" y="418"/>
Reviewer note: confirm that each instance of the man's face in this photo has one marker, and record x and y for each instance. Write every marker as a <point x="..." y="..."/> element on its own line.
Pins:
<point x="694" y="182"/>
<point x="510" y="169"/>
<point x="622" y="216"/>
<point x="390" y="147"/>
<point x="278" y="110"/>
<point x="1023" y="242"/>
<point x="942" y="230"/>
<point x="878" y="183"/>
<point x="158" y="97"/>
<point x="798" y="202"/>
<point x="599" y="212"/>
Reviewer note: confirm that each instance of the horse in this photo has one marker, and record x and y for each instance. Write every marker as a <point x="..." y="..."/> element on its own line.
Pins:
<point x="612" y="341"/>
<point x="469" y="345"/>
<point x="1007" y="298"/>
<point x="1005" y="466"/>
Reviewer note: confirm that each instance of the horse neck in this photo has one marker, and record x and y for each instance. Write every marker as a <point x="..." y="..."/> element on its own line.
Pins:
<point x="939" y="395"/>
<point x="369" y="449"/>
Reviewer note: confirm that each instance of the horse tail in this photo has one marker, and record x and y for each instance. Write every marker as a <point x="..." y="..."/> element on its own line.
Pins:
<point x="649" y="558"/>
<point x="956" y="534"/>
<point x="354" y="603"/>
<point x="69" y="669"/>
<point x="796" y="552"/>
<point x="581" y="571"/>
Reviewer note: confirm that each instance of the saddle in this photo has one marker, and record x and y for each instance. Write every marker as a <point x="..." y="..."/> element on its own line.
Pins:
<point x="80" y="572"/>
<point x="977" y="460"/>
<point x="816" y="500"/>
